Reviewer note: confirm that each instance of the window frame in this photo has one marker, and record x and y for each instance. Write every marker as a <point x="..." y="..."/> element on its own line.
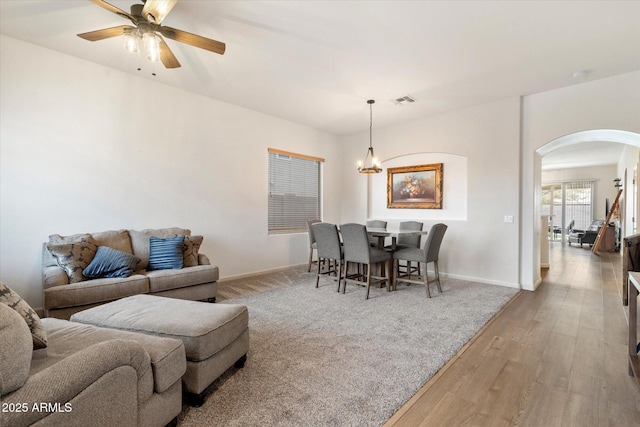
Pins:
<point x="292" y="221"/>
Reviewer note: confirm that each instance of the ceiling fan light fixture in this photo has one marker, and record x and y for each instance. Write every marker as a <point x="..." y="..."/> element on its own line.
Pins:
<point x="131" y="41"/>
<point x="156" y="11"/>
<point x="151" y="46"/>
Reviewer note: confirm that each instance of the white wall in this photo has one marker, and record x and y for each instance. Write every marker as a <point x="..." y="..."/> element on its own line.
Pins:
<point x="454" y="191"/>
<point x="86" y="148"/>
<point x="481" y="247"/>
<point x="626" y="167"/>
<point x="612" y="103"/>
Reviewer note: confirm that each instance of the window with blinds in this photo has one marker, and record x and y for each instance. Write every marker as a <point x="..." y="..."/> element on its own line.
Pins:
<point x="295" y="191"/>
<point x="568" y="202"/>
<point x="578" y="203"/>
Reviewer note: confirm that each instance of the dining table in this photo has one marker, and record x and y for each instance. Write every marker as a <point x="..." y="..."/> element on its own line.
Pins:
<point x="382" y="233"/>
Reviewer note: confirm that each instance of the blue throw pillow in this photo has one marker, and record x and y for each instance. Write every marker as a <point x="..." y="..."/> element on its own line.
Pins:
<point x="165" y="254"/>
<point x="110" y="262"/>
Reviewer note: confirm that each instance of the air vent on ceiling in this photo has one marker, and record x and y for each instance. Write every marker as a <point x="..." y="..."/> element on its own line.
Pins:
<point x="404" y="100"/>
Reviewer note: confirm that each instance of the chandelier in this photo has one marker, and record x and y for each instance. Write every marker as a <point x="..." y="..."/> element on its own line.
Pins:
<point x="370" y="163"/>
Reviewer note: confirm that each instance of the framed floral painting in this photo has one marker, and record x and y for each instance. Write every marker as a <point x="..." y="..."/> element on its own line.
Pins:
<point x="415" y="187"/>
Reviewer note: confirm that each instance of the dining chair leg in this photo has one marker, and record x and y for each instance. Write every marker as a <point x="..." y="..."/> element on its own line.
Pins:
<point x="426" y="280"/>
<point x="395" y="267"/>
<point x="339" y="274"/>
<point x="346" y="273"/>
<point x="368" y="280"/>
<point x="318" y="274"/>
<point x="387" y="275"/>
<point x="437" y="271"/>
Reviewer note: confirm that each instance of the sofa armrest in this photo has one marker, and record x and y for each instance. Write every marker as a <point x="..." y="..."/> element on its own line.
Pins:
<point x="54" y="276"/>
<point x="203" y="260"/>
<point x="64" y="381"/>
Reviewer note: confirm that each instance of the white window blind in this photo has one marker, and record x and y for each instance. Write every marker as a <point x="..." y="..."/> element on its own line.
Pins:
<point x="295" y="191"/>
<point x="578" y="199"/>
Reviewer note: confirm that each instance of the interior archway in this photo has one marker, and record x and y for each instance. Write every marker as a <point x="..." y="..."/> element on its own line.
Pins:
<point x="598" y="135"/>
<point x="605" y="135"/>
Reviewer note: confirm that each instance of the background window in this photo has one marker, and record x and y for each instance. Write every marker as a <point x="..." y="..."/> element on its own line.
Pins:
<point x="295" y="191"/>
<point x="568" y="202"/>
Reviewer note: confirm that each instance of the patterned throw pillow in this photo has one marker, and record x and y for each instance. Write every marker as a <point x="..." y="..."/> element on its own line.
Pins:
<point x="110" y="262"/>
<point x="13" y="300"/>
<point x="74" y="257"/>
<point x="190" y="251"/>
<point x="166" y="254"/>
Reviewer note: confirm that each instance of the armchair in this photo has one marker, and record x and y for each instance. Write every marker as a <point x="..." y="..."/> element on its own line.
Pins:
<point x="587" y="236"/>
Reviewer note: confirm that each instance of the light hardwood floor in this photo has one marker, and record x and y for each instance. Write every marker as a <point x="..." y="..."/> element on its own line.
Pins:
<point x="553" y="357"/>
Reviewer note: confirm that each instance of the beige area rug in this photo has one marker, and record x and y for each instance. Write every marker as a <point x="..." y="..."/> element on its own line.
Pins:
<point x="319" y="358"/>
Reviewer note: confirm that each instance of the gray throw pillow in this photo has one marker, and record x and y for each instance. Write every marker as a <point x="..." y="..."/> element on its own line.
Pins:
<point x="74" y="257"/>
<point x="190" y="251"/>
<point x="9" y="298"/>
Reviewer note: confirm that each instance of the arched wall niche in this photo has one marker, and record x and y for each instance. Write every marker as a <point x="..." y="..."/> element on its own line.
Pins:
<point x="454" y="188"/>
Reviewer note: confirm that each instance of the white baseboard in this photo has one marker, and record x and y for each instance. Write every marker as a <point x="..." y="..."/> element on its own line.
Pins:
<point x="481" y="280"/>
<point x="257" y="273"/>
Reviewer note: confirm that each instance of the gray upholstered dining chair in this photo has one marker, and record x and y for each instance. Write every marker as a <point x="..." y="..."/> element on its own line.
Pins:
<point x="430" y="253"/>
<point x="312" y="241"/>
<point x="409" y="242"/>
<point x="329" y="250"/>
<point x="357" y="250"/>
<point x="376" y="223"/>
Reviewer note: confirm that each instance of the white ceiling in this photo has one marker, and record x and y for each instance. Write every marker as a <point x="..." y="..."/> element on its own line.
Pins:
<point x="583" y="155"/>
<point x="317" y="62"/>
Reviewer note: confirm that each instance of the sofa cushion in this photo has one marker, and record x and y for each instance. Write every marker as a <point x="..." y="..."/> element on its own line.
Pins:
<point x="140" y="241"/>
<point x="110" y="262"/>
<point x="95" y="291"/>
<point x="165" y="254"/>
<point x="168" y="360"/>
<point x="31" y="318"/>
<point x="15" y="359"/>
<point x="162" y="280"/>
<point x="190" y="251"/>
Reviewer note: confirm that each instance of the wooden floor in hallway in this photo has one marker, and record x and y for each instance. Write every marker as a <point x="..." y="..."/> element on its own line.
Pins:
<point x="553" y="357"/>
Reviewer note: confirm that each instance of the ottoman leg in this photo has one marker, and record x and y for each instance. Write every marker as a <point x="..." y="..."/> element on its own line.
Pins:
<point x="195" y="400"/>
<point x="240" y="362"/>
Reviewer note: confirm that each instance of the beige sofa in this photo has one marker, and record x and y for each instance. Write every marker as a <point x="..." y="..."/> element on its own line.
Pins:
<point x="67" y="292"/>
<point x="87" y="375"/>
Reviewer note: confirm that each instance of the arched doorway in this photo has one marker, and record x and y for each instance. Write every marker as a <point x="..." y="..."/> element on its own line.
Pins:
<point x="604" y="135"/>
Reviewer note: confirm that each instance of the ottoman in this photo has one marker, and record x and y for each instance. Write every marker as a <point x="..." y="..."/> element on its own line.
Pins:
<point x="215" y="336"/>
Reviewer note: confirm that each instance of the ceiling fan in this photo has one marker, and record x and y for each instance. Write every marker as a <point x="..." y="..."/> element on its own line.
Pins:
<point x="147" y="19"/>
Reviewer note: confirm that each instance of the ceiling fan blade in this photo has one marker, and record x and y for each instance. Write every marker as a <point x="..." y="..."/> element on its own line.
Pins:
<point x="166" y="56"/>
<point x="112" y="8"/>
<point x="94" y="36"/>
<point x="155" y="11"/>
<point x="193" y="40"/>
